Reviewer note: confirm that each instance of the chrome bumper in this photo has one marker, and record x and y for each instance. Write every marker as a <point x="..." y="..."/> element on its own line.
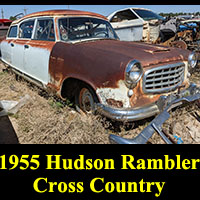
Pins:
<point x="127" y="115"/>
<point x="165" y="104"/>
<point x="131" y="114"/>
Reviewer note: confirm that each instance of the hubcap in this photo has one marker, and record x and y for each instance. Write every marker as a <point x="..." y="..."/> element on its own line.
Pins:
<point x="86" y="100"/>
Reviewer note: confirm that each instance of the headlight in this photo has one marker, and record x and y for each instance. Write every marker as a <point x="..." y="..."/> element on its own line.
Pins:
<point x="192" y="60"/>
<point x="134" y="72"/>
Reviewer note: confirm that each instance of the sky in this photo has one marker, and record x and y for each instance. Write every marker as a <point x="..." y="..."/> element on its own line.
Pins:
<point x="12" y="10"/>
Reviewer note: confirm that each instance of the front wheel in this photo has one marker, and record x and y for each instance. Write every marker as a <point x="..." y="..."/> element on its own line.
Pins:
<point x="86" y="99"/>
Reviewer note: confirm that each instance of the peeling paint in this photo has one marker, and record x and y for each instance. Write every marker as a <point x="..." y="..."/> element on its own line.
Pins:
<point x="114" y="103"/>
<point x="99" y="64"/>
<point x="118" y="94"/>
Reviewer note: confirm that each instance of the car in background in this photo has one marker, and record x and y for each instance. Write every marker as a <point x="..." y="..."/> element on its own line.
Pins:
<point x="136" y="24"/>
<point x="4" y="26"/>
<point x="78" y="55"/>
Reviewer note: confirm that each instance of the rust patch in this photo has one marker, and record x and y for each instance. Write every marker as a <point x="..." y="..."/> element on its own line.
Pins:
<point x="48" y="45"/>
<point x="139" y="99"/>
<point x="51" y="88"/>
<point x="102" y="63"/>
<point x="106" y="83"/>
<point x="88" y="62"/>
<point x="61" y="13"/>
<point x="56" y="28"/>
<point x="114" y="103"/>
<point x="58" y="77"/>
<point x="185" y="85"/>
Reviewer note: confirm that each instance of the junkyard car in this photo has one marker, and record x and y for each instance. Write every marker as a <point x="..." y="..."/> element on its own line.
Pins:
<point x="78" y="55"/>
<point x="136" y="24"/>
<point x="4" y="26"/>
<point x="181" y="33"/>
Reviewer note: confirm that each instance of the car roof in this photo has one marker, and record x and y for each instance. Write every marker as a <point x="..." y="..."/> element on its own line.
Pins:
<point x="129" y="8"/>
<point x="60" y="13"/>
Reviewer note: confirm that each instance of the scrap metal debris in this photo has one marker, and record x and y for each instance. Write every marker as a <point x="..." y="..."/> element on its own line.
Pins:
<point x="180" y="33"/>
<point x="12" y="107"/>
<point x="172" y="101"/>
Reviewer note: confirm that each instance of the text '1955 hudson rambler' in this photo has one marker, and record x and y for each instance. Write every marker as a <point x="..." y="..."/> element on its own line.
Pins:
<point x="78" y="55"/>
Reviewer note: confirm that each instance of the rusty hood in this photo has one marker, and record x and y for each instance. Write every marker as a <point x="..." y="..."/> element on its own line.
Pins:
<point x="100" y="61"/>
<point x="147" y="54"/>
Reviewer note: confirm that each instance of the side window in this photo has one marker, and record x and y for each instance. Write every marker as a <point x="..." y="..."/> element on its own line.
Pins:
<point x="13" y="32"/>
<point x="45" y="30"/>
<point x="26" y="29"/>
<point x="124" y="15"/>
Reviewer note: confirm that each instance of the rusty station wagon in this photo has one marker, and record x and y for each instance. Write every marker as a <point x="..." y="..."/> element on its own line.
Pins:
<point x="78" y="55"/>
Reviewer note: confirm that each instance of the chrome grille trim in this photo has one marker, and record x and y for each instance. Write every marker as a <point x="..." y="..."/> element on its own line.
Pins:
<point x="164" y="78"/>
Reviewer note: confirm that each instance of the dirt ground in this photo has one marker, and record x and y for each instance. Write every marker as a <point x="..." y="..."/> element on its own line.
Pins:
<point x="44" y="119"/>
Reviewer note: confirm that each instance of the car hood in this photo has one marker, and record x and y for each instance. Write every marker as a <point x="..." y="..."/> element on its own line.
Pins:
<point x="147" y="54"/>
<point x="100" y="61"/>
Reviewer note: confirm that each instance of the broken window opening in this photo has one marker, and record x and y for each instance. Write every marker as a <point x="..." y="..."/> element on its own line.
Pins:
<point x="74" y="29"/>
<point x="125" y="15"/>
<point x="45" y="30"/>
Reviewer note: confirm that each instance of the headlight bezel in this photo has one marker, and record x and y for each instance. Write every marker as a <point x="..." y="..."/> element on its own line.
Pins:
<point x="133" y="77"/>
<point x="193" y="60"/>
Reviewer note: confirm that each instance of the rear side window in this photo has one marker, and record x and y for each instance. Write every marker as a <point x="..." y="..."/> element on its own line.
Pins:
<point x="45" y="30"/>
<point x="26" y="29"/>
<point x="13" y="32"/>
<point x="124" y="15"/>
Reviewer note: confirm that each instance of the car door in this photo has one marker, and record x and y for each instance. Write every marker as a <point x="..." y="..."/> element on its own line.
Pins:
<point x="8" y="45"/>
<point x="37" y="50"/>
<point x="128" y="26"/>
<point x="24" y="35"/>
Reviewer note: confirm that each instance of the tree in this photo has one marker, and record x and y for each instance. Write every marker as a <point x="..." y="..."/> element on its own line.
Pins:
<point x="12" y="18"/>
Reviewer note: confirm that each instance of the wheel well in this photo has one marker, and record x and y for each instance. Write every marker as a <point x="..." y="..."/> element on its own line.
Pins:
<point x="71" y="86"/>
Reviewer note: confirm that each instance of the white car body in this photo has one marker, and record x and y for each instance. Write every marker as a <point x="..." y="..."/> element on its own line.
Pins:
<point x="135" y="28"/>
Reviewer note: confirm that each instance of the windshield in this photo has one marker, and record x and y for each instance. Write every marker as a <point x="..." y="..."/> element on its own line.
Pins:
<point x="85" y="28"/>
<point x="147" y="14"/>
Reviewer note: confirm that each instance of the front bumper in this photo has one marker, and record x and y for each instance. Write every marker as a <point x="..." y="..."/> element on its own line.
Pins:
<point x="127" y="115"/>
<point x="165" y="105"/>
<point x="130" y="114"/>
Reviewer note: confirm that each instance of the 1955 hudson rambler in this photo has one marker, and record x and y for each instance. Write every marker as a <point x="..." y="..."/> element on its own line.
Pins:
<point x="78" y="54"/>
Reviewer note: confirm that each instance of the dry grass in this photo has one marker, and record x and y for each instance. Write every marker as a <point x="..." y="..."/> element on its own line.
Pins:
<point x="45" y="120"/>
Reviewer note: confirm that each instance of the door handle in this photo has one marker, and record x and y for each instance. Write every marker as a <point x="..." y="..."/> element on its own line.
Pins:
<point x="12" y="45"/>
<point x="26" y="46"/>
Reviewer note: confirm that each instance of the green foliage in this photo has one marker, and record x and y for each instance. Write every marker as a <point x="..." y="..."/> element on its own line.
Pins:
<point x="55" y="104"/>
<point x="12" y="18"/>
<point x="69" y="103"/>
<point x="59" y="104"/>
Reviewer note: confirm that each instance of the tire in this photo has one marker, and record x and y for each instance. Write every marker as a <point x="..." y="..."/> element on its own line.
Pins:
<point x="85" y="100"/>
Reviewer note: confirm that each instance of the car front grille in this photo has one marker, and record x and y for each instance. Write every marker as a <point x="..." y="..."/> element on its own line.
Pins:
<point x="164" y="78"/>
